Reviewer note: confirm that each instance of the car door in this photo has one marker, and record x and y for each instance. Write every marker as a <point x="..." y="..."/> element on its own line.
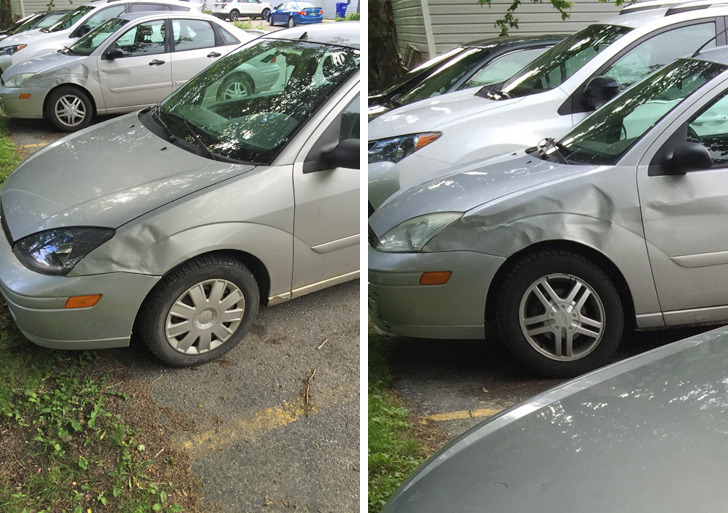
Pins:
<point x="142" y="74"/>
<point x="326" y="225"/>
<point x="247" y="8"/>
<point x="282" y="12"/>
<point x="195" y="46"/>
<point x="684" y="219"/>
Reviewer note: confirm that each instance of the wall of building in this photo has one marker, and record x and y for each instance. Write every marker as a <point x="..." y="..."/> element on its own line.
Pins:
<point x="21" y="7"/>
<point x="330" y="7"/>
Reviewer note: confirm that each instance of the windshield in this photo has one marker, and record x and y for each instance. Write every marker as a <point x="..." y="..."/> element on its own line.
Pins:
<point x="605" y="136"/>
<point x="443" y="78"/>
<point x="50" y="19"/>
<point x="29" y="24"/>
<point x="304" y="5"/>
<point x="91" y="41"/>
<point x="553" y="67"/>
<point x="70" y="18"/>
<point x="425" y="66"/>
<point x="247" y="105"/>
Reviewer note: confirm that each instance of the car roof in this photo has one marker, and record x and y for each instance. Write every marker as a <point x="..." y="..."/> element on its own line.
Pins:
<point x="341" y="33"/>
<point x="166" y="14"/>
<point x="100" y="3"/>
<point x="516" y="41"/>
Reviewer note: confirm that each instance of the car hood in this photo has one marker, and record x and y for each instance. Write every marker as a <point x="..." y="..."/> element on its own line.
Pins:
<point x="104" y="176"/>
<point x="433" y="114"/>
<point x="471" y="185"/>
<point x="647" y="434"/>
<point x="53" y="61"/>
<point x="28" y="37"/>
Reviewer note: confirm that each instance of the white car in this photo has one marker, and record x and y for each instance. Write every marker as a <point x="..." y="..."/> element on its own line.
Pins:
<point x="241" y="8"/>
<point x="75" y="24"/>
<point x="558" y="89"/>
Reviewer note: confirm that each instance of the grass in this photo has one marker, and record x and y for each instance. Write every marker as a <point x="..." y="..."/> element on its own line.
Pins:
<point x="65" y="446"/>
<point x="245" y="25"/>
<point x="393" y="451"/>
<point x="354" y="16"/>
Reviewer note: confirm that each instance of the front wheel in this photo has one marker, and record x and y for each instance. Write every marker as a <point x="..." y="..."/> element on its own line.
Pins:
<point x="69" y="109"/>
<point x="291" y="23"/>
<point x="199" y="311"/>
<point x="560" y="314"/>
<point x="234" y="15"/>
<point x="235" y="86"/>
<point x="264" y="14"/>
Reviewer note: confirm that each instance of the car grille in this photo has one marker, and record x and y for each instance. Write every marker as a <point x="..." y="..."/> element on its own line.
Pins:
<point x="373" y="239"/>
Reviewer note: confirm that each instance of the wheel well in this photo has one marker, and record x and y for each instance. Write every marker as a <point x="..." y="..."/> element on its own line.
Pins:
<point x="574" y="247"/>
<point x="80" y="88"/>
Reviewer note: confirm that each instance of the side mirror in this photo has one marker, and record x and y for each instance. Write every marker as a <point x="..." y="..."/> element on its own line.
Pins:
<point x="688" y="157"/>
<point x="344" y="154"/>
<point x="82" y="31"/>
<point x="113" y="53"/>
<point x="598" y="91"/>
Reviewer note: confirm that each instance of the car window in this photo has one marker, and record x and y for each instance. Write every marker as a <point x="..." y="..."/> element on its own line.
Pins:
<point x="350" y="121"/>
<point x="502" y="68"/>
<point x="710" y="128"/>
<point x="89" y="42"/>
<point x="658" y="51"/>
<point x="70" y="18"/>
<point x="192" y="34"/>
<point x="103" y="15"/>
<point x="143" y="39"/>
<point x="228" y="38"/>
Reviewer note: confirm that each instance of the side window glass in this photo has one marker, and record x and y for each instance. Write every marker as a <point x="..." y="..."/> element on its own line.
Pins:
<point x="101" y="16"/>
<point x="228" y="38"/>
<point x="192" y="34"/>
<point x="710" y="128"/>
<point x="503" y="67"/>
<point x="350" y="121"/>
<point x="658" y="51"/>
<point x="143" y="39"/>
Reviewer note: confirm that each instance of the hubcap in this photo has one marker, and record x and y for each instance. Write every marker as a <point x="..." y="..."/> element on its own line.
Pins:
<point x="235" y="90"/>
<point x="70" y="110"/>
<point x="562" y="317"/>
<point x="205" y="316"/>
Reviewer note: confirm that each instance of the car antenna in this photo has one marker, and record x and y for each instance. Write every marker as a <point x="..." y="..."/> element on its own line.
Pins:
<point x="714" y="38"/>
<point x="304" y="35"/>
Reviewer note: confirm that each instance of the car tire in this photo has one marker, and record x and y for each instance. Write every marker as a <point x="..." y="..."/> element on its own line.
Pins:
<point x="69" y="109"/>
<point x="264" y="14"/>
<point x="234" y="15"/>
<point x="199" y="311"/>
<point x="552" y="298"/>
<point x="270" y="19"/>
<point x="235" y="86"/>
<point x="291" y="22"/>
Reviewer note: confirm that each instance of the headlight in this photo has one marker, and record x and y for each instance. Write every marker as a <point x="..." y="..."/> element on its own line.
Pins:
<point x="412" y="235"/>
<point x="57" y="251"/>
<point x="397" y="148"/>
<point x="10" y="50"/>
<point x="18" y="80"/>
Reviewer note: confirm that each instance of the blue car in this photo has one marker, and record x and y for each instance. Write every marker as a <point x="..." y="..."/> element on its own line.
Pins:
<point x="296" y="13"/>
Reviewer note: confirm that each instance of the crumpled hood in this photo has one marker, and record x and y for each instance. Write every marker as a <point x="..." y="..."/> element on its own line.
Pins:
<point x="104" y="176"/>
<point x="51" y="61"/>
<point x="433" y="114"/>
<point x="470" y="185"/>
<point x="647" y="434"/>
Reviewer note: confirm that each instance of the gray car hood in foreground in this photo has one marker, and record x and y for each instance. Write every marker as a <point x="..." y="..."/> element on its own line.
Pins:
<point x="471" y="185"/>
<point x="104" y="176"/>
<point x="649" y="434"/>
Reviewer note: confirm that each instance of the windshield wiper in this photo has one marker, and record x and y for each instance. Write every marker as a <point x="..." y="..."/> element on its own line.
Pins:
<point x="548" y="143"/>
<point x="192" y="129"/>
<point x="155" y="112"/>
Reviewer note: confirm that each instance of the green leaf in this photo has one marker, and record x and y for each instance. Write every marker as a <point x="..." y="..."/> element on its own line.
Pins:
<point x="157" y="507"/>
<point x="163" y="496"/>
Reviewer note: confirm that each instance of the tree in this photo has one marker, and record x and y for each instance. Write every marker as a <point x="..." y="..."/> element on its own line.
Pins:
<point x="385" y="66"/>
<point x="6" y="13"/>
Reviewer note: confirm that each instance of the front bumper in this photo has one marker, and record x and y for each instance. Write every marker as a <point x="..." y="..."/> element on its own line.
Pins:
<point x="29" y="108"/>
<point x="36" y="302"/>
<point x="399" y="304"/>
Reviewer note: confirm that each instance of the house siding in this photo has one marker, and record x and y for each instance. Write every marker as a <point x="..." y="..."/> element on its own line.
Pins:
<point x="329" y="7"/>
<point x="459" y="21"/>
<point x="31" y="6"/>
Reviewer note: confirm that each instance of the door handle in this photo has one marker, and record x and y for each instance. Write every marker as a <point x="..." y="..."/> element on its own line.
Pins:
<point x="156" y="62"/>
<point x="214" y="54"/>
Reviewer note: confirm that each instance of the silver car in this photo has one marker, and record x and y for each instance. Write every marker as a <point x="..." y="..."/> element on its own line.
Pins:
<point x="647" y="434"/>
<point x="618" y="224"/>
<point x="126" y="63"/>
<point x="177" y="222"/>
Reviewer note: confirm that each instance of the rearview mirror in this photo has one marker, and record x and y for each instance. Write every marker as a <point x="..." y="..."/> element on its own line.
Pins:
<point x="598" y="91"/>
<point x="688" y="157"/>
<point x="113" y="53"/>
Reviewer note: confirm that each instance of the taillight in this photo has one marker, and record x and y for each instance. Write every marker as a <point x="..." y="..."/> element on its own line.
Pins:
<point x="302" y="13"/>
<point x="321" y="12"/>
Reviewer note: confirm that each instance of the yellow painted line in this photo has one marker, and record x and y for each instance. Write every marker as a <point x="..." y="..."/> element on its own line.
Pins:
<point x="462" y="414"/>
<point x="37" y="145"/>
<point x="245" y="428"/>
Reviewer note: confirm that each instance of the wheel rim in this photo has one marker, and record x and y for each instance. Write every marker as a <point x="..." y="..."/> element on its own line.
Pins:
<point x="562" y="317"/>
<point x="235" y="90"/>
<point x="205" y="316"/>
<point x="234" y="16"/>
<point x="290" y="22"/>
<point x="70" y="110"/>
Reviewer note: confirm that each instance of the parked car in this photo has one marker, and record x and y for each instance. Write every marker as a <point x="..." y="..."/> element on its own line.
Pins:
<point x="619" y="223"/>
<point x="76" y="23"/>
<point x="474" y="64"/>
<point x="33" y="22"/>
<point x="545" y="99"/>
<point x="296" y="12"/>
<point x="645" y="434"/>
<point x="175" y="223"/>
<point x="236" y="8"/>
<point x="126" y="63"/>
